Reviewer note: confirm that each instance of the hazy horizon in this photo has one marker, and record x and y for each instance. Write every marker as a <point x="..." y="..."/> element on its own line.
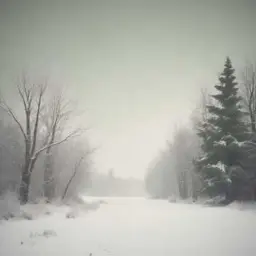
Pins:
<point x="136" y="68"/>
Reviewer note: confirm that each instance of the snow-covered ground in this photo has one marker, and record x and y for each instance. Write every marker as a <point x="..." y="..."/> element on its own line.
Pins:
<point x="134" y="227"/>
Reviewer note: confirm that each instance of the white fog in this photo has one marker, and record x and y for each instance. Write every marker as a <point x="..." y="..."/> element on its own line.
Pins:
<point x="127" y="127"/>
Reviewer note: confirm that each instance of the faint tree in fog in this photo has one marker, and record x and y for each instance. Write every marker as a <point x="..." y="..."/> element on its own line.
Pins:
<point x="249" y="93"/>
<point x="158" y="179"/>
<point x="200" y="114"/>
<point x="172" y="173"/>
<point x="11" y="153"/>
<point x="199" y="119"/>
<point x="185" y="147"/>
<point x="54" y="118"/>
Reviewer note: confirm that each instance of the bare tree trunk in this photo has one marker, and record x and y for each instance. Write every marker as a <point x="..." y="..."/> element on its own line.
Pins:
<point x="68" y="185"/>
<point x="77" y="165"/>
<point x="252" y="117"/>
<point x="49" y="186"/>
<point x="76" y="169"/>
<point x="24" y="186"/>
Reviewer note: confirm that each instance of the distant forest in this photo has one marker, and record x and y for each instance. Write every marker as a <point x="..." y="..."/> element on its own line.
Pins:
<point x="111" y="185"/>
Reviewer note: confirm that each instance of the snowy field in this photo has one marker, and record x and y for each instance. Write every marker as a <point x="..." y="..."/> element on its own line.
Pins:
<point x="134" y="227"/>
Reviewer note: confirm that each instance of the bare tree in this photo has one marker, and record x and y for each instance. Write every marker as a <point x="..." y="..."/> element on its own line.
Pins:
<point x="199" y="119"/>
<point x="249" y="93"/>
<point x="31" y="97"/>
<point x="200" y="113"/>
<point x="75" y="171"/>
<point x="54" y="121"/>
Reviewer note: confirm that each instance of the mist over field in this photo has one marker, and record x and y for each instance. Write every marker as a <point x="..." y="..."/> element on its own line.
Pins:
<point x="127" y="127"/>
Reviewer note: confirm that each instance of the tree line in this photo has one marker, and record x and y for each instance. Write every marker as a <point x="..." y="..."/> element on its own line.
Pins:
<point x="42" y="154"/>
<point x="215" y="155"/>
<point x="109" y="184"/>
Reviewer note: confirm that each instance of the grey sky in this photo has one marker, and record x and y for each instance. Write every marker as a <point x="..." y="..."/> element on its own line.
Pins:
<point x="135" y="66"/>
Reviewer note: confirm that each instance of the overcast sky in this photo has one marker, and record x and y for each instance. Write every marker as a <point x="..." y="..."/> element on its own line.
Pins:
<point x="136" y="67"/>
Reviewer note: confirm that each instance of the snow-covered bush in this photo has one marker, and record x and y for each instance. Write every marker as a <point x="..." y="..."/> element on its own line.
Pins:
<point x="172" y="199"/>
<point x="9" y="205"/>
<point x="216" y="201"/>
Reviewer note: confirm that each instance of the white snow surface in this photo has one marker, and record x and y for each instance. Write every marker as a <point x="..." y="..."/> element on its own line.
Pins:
<point x="135" y="227"/>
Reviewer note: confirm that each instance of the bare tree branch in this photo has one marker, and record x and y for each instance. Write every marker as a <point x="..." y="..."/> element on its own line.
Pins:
<point x="71" y="135"/>
<point x="77" y="165"/>
<point x="34" y="140"/>
<point x="10" y="112"/>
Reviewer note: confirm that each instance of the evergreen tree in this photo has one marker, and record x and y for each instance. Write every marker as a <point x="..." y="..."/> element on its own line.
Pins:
<point x="220" y="133"/>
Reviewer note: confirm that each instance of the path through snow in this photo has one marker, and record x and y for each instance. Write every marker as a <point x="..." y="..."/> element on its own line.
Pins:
<point x="134" y="227"/>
